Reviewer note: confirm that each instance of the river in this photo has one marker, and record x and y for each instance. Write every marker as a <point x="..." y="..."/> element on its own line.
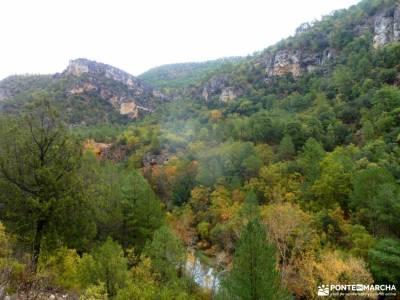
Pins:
<point x="205" y="276"/>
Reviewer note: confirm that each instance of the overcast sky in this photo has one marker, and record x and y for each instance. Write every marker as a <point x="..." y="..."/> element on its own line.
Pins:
<point x="41" y="36"/>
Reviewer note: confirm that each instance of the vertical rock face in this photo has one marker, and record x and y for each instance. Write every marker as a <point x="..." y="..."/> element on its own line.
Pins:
<point x="294" y="62"/>
<point x="387" y="27"/>
<point x="3" y="94"/>
<point x="284" y="62"/>
<point x="228" y="94"/>
<point x="77" y="67"/>
<point x="396" y="24"/>
<point x="220" y="87"/>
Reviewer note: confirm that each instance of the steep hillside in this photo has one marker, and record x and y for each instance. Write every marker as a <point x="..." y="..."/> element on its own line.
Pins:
<point x="183" y="74"/>
<point x="13" y="85"/>
<point x="308" y="132"/>
<point x="269" y="176"/>
<point x="316" y="49"/>
<point x="87" y="92"/>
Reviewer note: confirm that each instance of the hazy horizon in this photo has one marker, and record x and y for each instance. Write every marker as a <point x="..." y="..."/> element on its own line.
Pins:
<point x="129" y="36"/>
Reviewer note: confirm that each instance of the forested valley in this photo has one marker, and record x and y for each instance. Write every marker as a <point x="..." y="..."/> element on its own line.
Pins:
<point x="275" y="181"/>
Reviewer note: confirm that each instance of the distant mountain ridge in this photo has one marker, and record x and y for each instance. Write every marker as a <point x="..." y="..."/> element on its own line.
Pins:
<point x="180" y="74"/>
<point x="316" y="48"/>
<point x="92" y="85"/>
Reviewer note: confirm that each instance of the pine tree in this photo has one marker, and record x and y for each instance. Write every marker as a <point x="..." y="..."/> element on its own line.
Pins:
<point x="286" y="148"/>
<point x="106" y="264"/>
<point x="167" y="254"/>
<point x="43" y="195"/>
<point x="253" y="275"/>
<point x="384" y="259"/>
<point x="310" y="158"/>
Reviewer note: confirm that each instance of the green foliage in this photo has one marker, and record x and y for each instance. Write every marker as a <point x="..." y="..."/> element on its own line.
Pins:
<point x="316" y="156"/>
<point x="310" y="158"/>
<point x="10" y="268"/>
<point x="167" y="254"/>
<point x="376" y="199"/>
<point x="95" y="292"/>
<point x="142" y="213"/>
<point x="286" y="148"/>
<point x="230" y="160"/>
<point x="126" y="208"/>
<point x="253" y="275"/>
<point x="62" y="267"/>
<point x="334" y="184"/>
<point x="358" y="240"/>
<point x="143" y="284"/>
<point x="43" y="193"/>
<point x="385" y="261"/>
<point x="178" y="75"/>
<point x="106" y="264"/>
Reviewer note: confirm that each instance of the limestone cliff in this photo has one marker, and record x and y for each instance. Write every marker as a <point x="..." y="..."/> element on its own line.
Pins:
<point x="81" y="66"/>
<point x="135" y="96"/>
<point x="294" y="61"/>
<point x="384" y="26"/>
<point x="314" y="47"/>
<point x="220" y="87"/>
<point x="387" y="27"/>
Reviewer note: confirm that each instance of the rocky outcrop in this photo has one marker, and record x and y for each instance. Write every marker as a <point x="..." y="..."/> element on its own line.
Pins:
<point x="131" y="109"/>
<point x="384" y="24"/>
<point x="81" y="66"/>
<point x="387" y="27"/>
<point x="283" y="62"/>
<point x="3" y="94"/>
<point x="294" y="62"/>
<point x="135" y="98"/>
<point x="228" y="94"/>
<point x="79" y="89"/>
<point x="220" y="87"/>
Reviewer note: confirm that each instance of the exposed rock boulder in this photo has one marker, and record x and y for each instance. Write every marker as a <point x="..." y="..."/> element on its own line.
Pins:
<point x="130" y="109"/>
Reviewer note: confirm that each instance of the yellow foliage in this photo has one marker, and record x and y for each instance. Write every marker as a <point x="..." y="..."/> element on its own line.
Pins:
<point x="5" y="245"/>
<point x="10" y="268"/>
<point x="335" y="269"/>
<point x="181" y="222"/>
<point x="238" y="196"/>
<point x="62" y="268"/>
<point x="215" y="115"/>
<point x="95" y="292"/>
<point x="276" y="184"/>
<point x="221" y="204"/>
